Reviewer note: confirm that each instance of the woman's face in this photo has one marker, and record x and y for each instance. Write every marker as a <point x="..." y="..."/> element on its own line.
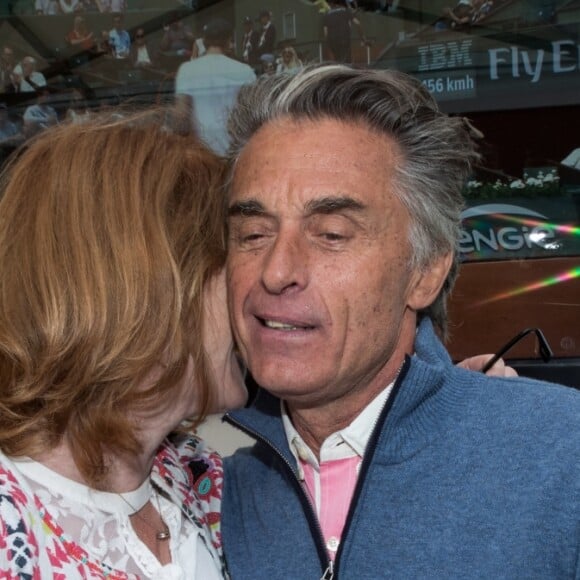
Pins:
<point x="219" y="345"/>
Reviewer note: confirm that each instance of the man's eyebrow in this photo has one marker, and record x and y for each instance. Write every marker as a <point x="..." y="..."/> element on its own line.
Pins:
<point x="249" y="207"/>
<point x="323" y="205"/>
<point x="332" y="204"/>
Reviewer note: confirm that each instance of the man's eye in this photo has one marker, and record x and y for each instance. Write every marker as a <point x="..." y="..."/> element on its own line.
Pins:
<point x="251" y="237"/>
<point x="332" y="230"/>
<point x="333" y="236"/>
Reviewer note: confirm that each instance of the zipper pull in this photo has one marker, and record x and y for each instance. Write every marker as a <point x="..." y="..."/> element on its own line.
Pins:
<point x="329" y="572"/>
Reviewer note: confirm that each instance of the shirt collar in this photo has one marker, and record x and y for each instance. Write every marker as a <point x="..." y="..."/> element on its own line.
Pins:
<point x="348" y="442"/>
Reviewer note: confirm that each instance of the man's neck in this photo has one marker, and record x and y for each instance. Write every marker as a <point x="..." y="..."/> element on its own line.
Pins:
<point x="214" y="50"/>
<point x="315" y="424"/>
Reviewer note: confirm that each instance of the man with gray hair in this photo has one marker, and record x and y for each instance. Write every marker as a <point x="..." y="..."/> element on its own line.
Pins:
<point x="375" y="456"/>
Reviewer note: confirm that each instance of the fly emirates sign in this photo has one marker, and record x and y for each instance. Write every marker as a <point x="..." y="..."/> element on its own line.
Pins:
<point x="469" y="67"/>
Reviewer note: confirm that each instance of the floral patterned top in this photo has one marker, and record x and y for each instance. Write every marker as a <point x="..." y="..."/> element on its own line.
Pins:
<point x="52" y="527"/>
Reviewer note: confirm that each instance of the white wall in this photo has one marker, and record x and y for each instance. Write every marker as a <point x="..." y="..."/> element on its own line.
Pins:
<point x="222" y="436"/>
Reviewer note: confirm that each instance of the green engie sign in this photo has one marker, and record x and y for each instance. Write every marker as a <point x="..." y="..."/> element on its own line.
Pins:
<point x="514" y="228"/>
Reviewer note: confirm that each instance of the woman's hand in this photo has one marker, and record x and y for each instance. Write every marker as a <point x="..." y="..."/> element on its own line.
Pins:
<point x="499" y="369"/>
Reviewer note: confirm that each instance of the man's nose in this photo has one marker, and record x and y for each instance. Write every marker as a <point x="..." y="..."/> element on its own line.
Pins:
<point x="285" y="266"/>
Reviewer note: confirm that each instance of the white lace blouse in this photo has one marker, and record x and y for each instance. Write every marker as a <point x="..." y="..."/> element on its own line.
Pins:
<point x="99" y="523"/>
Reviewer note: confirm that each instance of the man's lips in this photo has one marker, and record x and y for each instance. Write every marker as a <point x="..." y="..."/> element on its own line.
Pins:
<point x="283" y="325"/>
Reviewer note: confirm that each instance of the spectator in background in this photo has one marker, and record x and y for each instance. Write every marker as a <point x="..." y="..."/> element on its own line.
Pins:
<point x="115" y="6"/>
<point x="80" y="37"/>
<point x="321" y="5"/>
<point x="10" y="133"/>
<point x="89" y="6"/>
<point x="352" y="5"/>
<point x="268" y="65"/>
<point x="250" y="43"/>
<point x="206" y="87"/>
<point x="78" y="109"/>
<point x="177" y="38"/>
<point x="141" y="56"/>
<point x="26" y="77"/>
<point x="11" y="136"/>
<point x="104" y="62"/>
<point x="46" y="7"/>
<point x="337" y="26"/>
<point x="457" y="17"/>
<point x="7" y="63"/>
<point x="69" y="6"/>
<point x="481" y="8"/>
<point x="39" y="116"/>
<point x="267" y="42"/>
<point x="103" y="46"/>
<point x="290" y="61"/>
<point x="119" y="38"/>
<point x="198" y="48"/>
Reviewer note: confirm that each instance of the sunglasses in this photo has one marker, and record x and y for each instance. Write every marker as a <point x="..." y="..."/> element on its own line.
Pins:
<point x="543" y="347"/>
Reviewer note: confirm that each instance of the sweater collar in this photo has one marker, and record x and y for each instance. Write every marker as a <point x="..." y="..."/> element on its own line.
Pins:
<point x="406" y="423"/>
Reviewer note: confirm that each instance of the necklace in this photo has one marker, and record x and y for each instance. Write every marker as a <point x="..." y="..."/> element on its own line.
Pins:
<point x="160" y="535"/>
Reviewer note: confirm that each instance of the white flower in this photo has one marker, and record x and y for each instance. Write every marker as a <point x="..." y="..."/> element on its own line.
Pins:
<point x="517" y="184"/>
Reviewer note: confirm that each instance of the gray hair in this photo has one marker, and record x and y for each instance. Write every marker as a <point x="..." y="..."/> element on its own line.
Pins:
<point x="437" y="150"/>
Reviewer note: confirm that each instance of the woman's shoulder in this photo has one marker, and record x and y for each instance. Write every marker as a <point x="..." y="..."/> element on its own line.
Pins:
<point x="192" y="473"/>
<point x="12" y="491"/>
<point x="189" y="453"/>
<point x="192" y="470"/>
<point x="19" y="540"/>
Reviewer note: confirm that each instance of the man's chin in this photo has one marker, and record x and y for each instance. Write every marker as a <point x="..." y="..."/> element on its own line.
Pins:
<point x="285" y="389"/>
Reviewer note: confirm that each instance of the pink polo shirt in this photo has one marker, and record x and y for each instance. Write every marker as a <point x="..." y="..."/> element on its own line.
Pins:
<point x="330" y="482"/>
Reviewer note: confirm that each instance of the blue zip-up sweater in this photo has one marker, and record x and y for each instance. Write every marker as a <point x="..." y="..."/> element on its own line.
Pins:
<point x="465" y="476"/>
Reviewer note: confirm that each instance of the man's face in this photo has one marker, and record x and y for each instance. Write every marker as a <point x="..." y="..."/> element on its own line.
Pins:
<point x="27" y="66"/>
<point x="320" y="292"/>
<point x="8" y="55"/>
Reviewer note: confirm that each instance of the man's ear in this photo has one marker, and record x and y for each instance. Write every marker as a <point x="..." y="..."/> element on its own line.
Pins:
<point x="426" y="283"/>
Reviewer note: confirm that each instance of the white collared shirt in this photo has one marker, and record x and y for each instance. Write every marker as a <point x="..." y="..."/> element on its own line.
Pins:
<point x="330" y="482"/>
